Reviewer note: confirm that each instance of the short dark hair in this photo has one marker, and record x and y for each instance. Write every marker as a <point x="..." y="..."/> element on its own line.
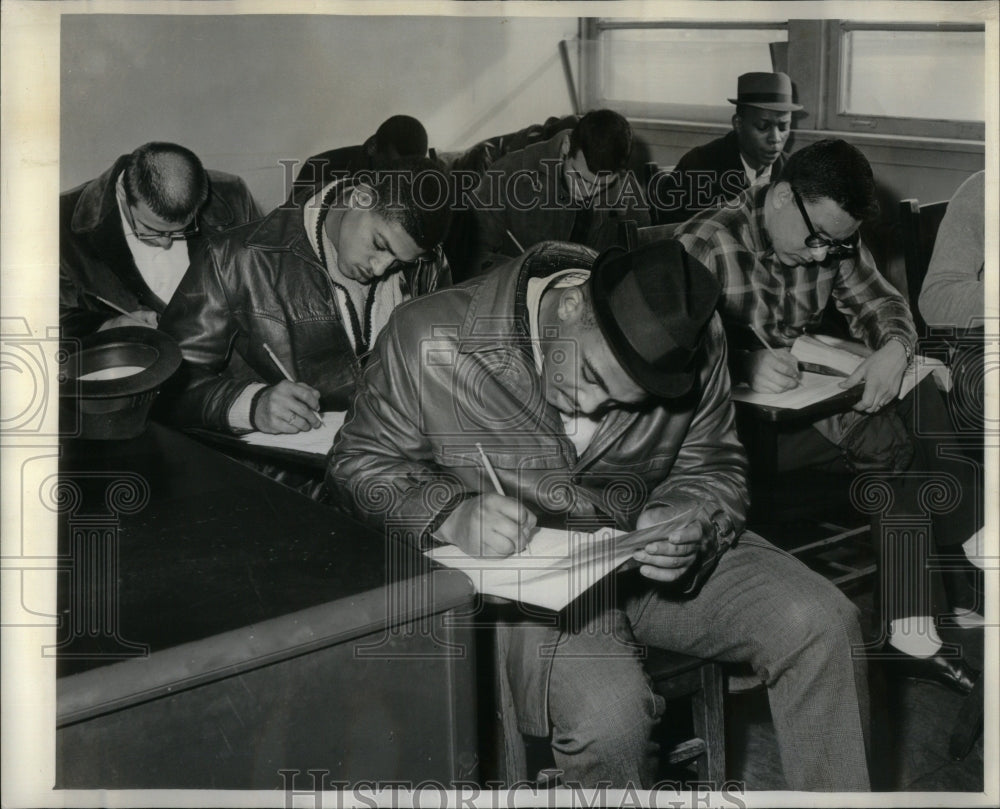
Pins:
<point x="834" y="169"/>
<point x="414" y="192"/>
<point x="605" y="138"/>
<point x="403" y="134"/>
<point x="168" y="178"/>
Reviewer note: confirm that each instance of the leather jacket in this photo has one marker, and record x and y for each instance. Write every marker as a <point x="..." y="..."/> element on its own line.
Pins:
<point x="455" y="369"/>
<point x="94" y="257"/>
<point x="256" y="284"/>
<point x="524" y="194"/>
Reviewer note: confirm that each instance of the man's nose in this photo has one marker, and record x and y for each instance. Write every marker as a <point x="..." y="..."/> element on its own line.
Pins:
<point x="380" y="264"/>
<point x="589" y="400"/>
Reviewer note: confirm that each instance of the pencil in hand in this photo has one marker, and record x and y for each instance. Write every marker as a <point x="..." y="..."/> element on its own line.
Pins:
<point x="284" y="371"/>
<point x="495" y="480"/>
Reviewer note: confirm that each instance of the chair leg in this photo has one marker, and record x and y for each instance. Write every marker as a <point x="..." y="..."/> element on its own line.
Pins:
<point x="709" y="724"/>
<point x="513" y="765"/>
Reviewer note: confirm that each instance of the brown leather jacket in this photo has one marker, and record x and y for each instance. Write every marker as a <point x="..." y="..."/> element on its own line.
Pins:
<point x="256" y="284"/>
<point x="94" y="257"/>
<point x="456" y="368"/>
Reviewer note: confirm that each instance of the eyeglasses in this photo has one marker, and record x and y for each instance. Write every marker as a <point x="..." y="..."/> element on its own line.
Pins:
<point x="149" y="233"/>
<point x="834" y="248"/>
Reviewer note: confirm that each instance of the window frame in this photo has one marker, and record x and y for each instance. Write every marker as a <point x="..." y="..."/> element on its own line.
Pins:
<point x="839" y="120"/>
<point x="591" y="29"/>
<point x="814" y="60"/>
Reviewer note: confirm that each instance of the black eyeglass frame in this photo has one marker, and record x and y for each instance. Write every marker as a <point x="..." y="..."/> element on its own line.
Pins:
<point x="174" y="235"/>
<point x="835" y="248"/>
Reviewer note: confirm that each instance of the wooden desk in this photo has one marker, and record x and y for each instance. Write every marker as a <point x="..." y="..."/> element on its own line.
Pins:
<point x="220" y="628"/>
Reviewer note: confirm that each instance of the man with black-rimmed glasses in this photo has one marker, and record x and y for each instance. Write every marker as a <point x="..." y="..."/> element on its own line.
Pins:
<point x="780" y="255"/>
<point x="125" y="236"/>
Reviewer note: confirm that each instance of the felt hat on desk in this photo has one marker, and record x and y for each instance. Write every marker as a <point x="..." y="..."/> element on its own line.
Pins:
<point x="769" y="91"/>
<point x="653" y="306"/>
<point x="108" y="382"/>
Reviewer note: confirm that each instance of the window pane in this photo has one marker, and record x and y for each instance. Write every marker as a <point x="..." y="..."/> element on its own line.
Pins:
<point x="888" y="73"/>
<point x="681" y="66"/>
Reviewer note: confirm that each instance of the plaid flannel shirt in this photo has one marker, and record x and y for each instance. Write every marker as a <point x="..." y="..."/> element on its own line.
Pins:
<point x="783" y="302"/>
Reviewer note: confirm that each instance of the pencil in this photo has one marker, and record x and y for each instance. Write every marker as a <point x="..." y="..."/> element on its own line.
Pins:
<point x="764" y="342"/>
<point x="284" y="371"/>
<point x="770" y="350"/>
<point x="110" y="305"/>
<point x="496" y="481"/>
<point x="278" y="363"/>
<point x="517" y="244"/>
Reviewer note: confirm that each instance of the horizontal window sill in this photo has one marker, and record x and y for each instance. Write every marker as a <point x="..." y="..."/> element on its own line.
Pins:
<point x="810" y="135"/>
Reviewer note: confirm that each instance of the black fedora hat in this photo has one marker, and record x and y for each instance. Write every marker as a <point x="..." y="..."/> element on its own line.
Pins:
<point x="107" y="385"/>
<point x="769" y="91"/>
<point x="653" y="305"/>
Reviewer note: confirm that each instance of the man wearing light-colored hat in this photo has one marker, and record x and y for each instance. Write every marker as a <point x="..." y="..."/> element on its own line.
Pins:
<point x="750" y="155"/>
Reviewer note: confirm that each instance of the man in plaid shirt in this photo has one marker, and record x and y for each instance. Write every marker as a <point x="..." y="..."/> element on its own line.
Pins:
<point x="780" y="253"/>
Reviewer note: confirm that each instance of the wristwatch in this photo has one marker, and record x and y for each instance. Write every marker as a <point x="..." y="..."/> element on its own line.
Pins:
<point x="725" y="533"/>
<point x="903" y="343"/>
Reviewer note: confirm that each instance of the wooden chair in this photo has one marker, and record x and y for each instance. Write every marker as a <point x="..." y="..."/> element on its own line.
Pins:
<point x="675" y="677"/>
<point x="918" y="226"/>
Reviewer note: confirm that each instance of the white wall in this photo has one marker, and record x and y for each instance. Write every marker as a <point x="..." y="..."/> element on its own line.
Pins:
<point x="247" y="91"/>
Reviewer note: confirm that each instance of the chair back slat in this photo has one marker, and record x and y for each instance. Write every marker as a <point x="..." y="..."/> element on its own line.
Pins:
<point x="918" y="229"/>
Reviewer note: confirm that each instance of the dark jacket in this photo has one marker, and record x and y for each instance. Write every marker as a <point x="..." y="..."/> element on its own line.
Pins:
<point x="256" y="284"/>
<point x="456" y="368"/>
<point x="336" y="164"/>
<point x="705" y="177"/>
<point x="94" y="257"/>
<point x="525" y="193"/>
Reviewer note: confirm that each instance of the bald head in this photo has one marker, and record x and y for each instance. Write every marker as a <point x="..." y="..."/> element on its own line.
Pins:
<point x="169" y="179"/>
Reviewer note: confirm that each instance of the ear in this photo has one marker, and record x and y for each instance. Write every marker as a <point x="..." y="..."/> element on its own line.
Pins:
<point x="564" y="149"/>
<point x="571" y="305"/>
<point x="363" y="197"/>
<point x="781" y="194"/>
<point x="734" y="120"/>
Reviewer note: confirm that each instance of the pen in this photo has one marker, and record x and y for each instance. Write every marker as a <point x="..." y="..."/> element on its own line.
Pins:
<point x="517" y="244"/>
<point x="495" y="480"/>
<point x="284" y="371"/>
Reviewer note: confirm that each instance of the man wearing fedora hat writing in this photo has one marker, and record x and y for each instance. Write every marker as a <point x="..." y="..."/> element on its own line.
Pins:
<point x="751" y="154"/>
<point x="598" y="392"/>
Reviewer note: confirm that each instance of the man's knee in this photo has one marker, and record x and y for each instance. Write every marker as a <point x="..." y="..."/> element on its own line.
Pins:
<point x="824" y="625"/>
<point x="603" y="702"/>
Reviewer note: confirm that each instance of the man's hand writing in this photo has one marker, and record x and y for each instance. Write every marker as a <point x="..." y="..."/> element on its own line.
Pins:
<point x="768" y="372"/>
<point x="288" y="407"/>
<point x="882" y="374"/>
<point x="489" y="525"/>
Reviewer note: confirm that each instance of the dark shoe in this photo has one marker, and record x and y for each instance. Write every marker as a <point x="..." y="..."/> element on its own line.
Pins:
<point x="951" y="672"/>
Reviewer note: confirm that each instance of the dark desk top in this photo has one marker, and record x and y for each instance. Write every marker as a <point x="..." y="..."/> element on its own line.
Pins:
<point x="208" y="546"/>
<point x="840" y="403"/>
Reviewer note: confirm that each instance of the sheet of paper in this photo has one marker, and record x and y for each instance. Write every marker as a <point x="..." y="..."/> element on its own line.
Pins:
<point x="817" y="387"/>
<point x="317" y="441"/>
<point x="559" y="565"/>
<point x="812" y="388"/>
